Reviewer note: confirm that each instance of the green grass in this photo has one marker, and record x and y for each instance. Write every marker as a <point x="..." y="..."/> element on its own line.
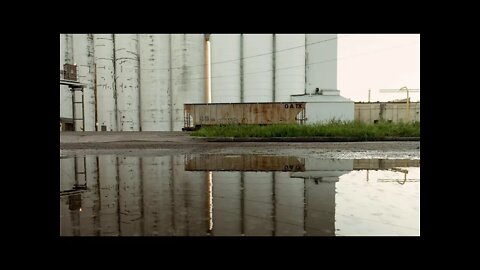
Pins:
<point x="333" y="128"/>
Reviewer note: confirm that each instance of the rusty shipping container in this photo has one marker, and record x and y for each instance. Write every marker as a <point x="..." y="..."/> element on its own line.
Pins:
<point x="208" y="114"/>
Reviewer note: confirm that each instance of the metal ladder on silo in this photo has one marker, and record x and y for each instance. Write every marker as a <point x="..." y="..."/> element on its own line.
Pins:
<point x="74" y="105"/>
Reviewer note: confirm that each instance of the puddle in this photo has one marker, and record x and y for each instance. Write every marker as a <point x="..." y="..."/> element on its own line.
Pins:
<point x="238" y="195"/>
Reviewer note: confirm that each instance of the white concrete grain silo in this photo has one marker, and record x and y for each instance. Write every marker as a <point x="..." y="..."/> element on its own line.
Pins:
<point x="321" y="62"/>
<point x="105" y="75"/>
<point x="225" y="65"/>
<point x="187" y="74"/>
<point x="127" y="82"/>
<point x="84" y="58"/>
<point x="289" y="66"/>
<point x="257" y="67"/>
<point x="66" y="57"/>
<point x="155" y="87"/>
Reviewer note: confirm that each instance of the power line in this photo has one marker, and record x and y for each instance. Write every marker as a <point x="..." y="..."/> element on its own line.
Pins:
<point x="314" y="63"/>
<point x="251" y="56"/>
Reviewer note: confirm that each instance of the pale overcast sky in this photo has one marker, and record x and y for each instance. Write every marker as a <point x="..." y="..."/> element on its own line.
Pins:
<point x="378" y="61"/>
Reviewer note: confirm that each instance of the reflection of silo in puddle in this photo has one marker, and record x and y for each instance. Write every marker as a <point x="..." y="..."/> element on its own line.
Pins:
<point x="130" y="196"/>
<point x="258" y="201"/>
<point x="320" y="178"/>
<point x="108" y="189"/>
<point x="67" y="173"/>
<point x="227" y="218"/>
<point x="190" y="200"/>
<point x="289" y="205"/>
<point x="90" y="200"/>
<point x="69" y="220"/>
<point x="65" y="217"/>
<point x="156" y="175"/>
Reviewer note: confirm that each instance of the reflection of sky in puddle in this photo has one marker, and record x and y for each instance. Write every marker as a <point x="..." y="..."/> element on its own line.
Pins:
<point x="238" y="195"/>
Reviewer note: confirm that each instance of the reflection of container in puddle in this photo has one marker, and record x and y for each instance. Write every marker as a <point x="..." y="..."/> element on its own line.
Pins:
<point x="244" y="163"/>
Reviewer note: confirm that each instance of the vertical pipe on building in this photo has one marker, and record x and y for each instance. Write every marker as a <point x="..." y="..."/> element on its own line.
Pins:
<point x="127" y="81"/>
<point x="206" y="75"/>
<point x="170" y="84"/>
<point x="84" y="58"/>
<point x="241" y="69"/>
<point x="274" y="45"/>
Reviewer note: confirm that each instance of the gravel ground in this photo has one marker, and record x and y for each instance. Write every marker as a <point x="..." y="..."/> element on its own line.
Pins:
<point x="177" y="143"/>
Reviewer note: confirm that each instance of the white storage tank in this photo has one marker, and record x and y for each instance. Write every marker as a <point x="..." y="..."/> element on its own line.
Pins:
<point x="225" y="66"/>
<point x="65" y="94"/>
<point x="289" y="66"/>
<point x="188" y="74"/>
<point x="84" y="58"/>
<point x="326" y="105"/>
<point x="105" y="72"/>
<point x="258" y="68"/>
<point x="321" y="62"/>
<point x="155" y="82"/>
<point x="127" y="82"/>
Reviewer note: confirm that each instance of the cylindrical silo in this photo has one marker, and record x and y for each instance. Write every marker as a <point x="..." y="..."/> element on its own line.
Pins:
<point x="227" y="204"/>
<point x="154" y="82"/>
<point x="108" y="188"/>
<point x="105" y="70"/>
<point x="66" y="57"/>
<point x="84" y="58"/>
<point x="190" y="200"/>
<point x="258" y="203"/>
<point x="187" y="74"/>
<point x="130" y="196"/>
<point x="289" y="66"/>
<point x="289" y="205"/>
<point x="257" y="68"/>
<point x="127" y="82"/>
<point x="157" y="195"/>
<point x="321" y="62"/>
<point x="225" y="65"/>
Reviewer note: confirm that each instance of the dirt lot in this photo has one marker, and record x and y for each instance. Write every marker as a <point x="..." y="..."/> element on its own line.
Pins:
<point x="173" y="143"/>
